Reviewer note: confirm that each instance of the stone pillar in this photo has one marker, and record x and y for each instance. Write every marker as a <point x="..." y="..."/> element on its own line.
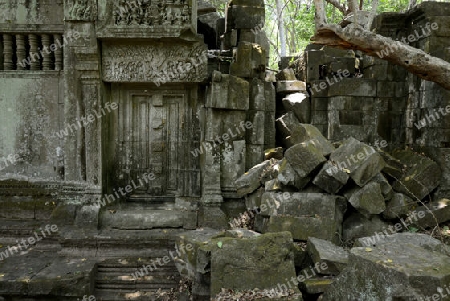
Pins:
<point x="58" y="53"/>
<point x="8" y="52"/>
<point x="34" y="52"/>
<point x="47" y="61"/>
<point x="21" y="52"/>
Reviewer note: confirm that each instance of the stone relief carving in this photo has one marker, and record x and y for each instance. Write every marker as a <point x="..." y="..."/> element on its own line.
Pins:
<point x="152" y="63"/>
<point x="152" y="12"/>
<point x="81" y="10"/>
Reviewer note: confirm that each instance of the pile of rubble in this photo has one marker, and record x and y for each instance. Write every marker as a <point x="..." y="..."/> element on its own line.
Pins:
<point x="342" y="191"/>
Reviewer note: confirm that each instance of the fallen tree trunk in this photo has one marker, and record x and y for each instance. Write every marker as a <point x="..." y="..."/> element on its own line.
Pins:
<point x="412" y="59"/>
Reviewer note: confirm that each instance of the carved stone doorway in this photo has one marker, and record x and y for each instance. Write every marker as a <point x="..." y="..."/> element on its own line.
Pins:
<point x="149" y="133"/>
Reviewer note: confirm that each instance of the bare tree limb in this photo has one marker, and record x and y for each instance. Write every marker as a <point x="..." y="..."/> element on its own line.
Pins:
<point x="320" y="14"/>
<point x="338" y="5"/>
<point x="352" y="6"/>
<point x="372" y="14"/>
<point x="412" y="59"/>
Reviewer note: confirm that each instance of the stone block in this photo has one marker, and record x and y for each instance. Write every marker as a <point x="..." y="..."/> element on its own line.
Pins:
<point x="367" y="200"/>
<point x="353" y="87"/>
<point x="276" y="153"/>
<point x="265" y="253"/>
<point x="291" y="86"/>
<point x="88" y="217"/>
<point x="289" y="177"/>
<point x="422" y="174"/>
<point x="398" y="206"/>
<point x="254" y="155"/>
<point x="286" y="75"/>
<point x="357" y="225"/>
<point x="300" y="104"/>
<point x="314" y="59"/>
<point x="251" y="180"/>
<point x="432" y="214"/>
<point x="330" y="178"/>
<point x="360" y="160"/>
<point x="228" y="92"/>
<point x="308" y="133"/>
<point x="343" y="63"/>
<point x="304" y="158"/>
<point x="255" y="135"/>
<point x="257" y="95"/>
<point x="269" y="130"/>
<point x="270" y="96"/>
<point x="323" y="251"/>
<point x="253" y="200"/>
<point x="250" y="60"/>
<point x="383" y="272"/>
<point x="247" y="17"/>
<point x="304" y="214"/>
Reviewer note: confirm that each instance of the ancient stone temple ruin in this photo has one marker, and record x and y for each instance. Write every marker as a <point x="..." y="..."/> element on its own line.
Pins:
<point x="127" y="127"/>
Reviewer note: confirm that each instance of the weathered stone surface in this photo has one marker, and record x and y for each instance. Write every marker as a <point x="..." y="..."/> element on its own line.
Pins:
<point x="384" y="272"/>
<point x="398" y="206"/>
<point x="360" y="159"/>
<point x="253" y="200"/>
<point x="418" y="239"/>
<point x="250" y="60"/>
<point x="307" y="132"/>
<point x="286" y="74"/>
<point x="330" y="178"/>
<point x="291" y="86"/>
<point x="251" y="180"/>
<point x="287" y="123"/>
<point x="304" y="214"/>
<point x="367" y="200"/>
<point x="87" y="217"/>
<point x="422" y="174"/>
<point x="323" y="251"/>
<point x="265" y="253"/>
<point x="356" y="226"/>
<point x="393" y="166"/>
<point x="228" y="92"/>
<point x="275" y="153"/>
<point x="315" y="285"/>
<point x="289" y="177"/>
<point x="432" y="214"/>
<point x="300" y="105"/>
<point x="304" y="158"/>
<point x="385" y="187"/>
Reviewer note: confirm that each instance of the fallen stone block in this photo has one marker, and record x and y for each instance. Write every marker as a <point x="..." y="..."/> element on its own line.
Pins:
<point x="270" y="254"/>
<point x="307" y="132"/>
<point x="422" y="174"/>
<point x="323" y="251"/>
<point x="367" y="200"/>
<point x="386" y="188"/>
<point x="398" y="206"/>
<point x="432" y="214"/>
<point x="304" y="158"/>
<point x="384" y="272"/>
<point x="393" y="167"/>
<point x="357" y="225"/>
<point x="274" y="153"/>
<point x="286" y="124"/>
<point x="253" y="200"/>
<point x="300" y="105"/>
<point x="291" y="86"/>
<point x="360" y="160"/>
<point x="289" y="177"/>
<point x="286" y="74"/>
<point x="304" y="214"/>
<point x="330" y="178"/>
<point x="251" y="180"/>
<point x="418" y="239"/>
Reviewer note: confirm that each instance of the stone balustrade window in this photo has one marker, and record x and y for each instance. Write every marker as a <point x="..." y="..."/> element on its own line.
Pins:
<point x="31" y="51"/>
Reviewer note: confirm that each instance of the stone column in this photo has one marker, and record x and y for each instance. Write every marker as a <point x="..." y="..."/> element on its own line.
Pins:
<point x="46" y="53"/>
<point x="21" y="52"/>
<point x="58" y="52"/>
<point x="34" y="52"/>
<point x="8" y="52"/>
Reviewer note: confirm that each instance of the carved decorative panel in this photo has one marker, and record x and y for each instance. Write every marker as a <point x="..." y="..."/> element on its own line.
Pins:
<point x="159" y="63"/>
<point x="80" y="10"/>
<point x="152" y="13"/>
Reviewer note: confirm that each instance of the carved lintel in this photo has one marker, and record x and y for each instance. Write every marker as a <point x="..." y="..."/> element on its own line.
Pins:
<point x="155" y="63"/>
<point x="152" y="13"/>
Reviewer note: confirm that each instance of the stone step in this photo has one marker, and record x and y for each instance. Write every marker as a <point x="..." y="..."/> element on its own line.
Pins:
<point x="145" y="219"/>
<point x="114" y="281"/>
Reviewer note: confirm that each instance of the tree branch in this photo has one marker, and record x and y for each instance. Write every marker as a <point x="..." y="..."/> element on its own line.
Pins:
<point x="412" y="59"/>
<point x="338" y="5"/>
